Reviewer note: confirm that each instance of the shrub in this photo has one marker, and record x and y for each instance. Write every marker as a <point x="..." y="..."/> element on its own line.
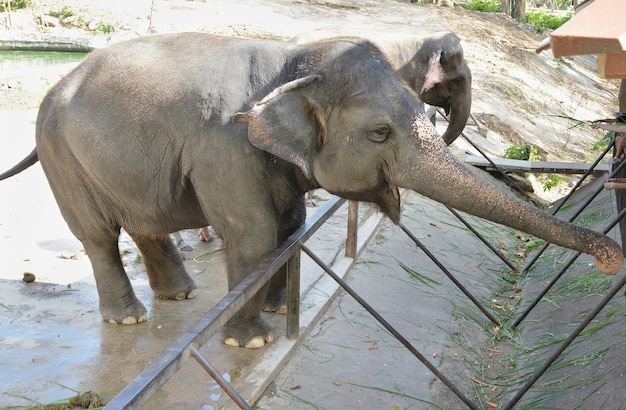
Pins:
<point x="527" y="152"/>
<point x="66" y="11"/>
<point x="542" y="20"/>
<point x="16" y="4"/>
<point x="550" y="181"/>
<point x="105" y="28"/>
<point x="488" y="6"/>
<point x="605" y="141"/>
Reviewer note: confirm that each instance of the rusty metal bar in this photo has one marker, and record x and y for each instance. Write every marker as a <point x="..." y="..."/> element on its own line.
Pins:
<point x="293" y="295"/>
<point x="450" y="276"/>
<point x="605" y="300"/>
<point x="481" y="152"/>
<point x="482" y="238"/>
<point x="582" y="178"/>
<point x="217" y="376"/>
<point x="353" y="228"/>
<point x="572" y="218"/>
<point x="170" y="361"/>
<point x="561" y="272"/>
<point x="389" y="328"/>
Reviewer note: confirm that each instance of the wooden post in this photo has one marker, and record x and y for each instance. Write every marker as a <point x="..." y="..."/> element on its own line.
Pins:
<point x="293" y="296"/>
<point x="353" y="228"/>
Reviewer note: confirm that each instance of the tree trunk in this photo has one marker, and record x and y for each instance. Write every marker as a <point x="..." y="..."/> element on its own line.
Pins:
<point x="506" y="7"/>
<point x="518" y="9"/>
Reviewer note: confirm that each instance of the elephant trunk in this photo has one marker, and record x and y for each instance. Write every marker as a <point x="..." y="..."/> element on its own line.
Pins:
<point x="459" y="112"/>
<point x="434" y="172"/>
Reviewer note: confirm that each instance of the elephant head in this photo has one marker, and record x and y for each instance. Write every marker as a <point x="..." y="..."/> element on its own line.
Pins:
<point x="361" y="133"/>
<point x="440" y="76"/>
<point x="432" y="65"/>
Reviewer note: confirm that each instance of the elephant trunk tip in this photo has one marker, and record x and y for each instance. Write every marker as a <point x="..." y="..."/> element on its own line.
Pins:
<point x="610" y="260"/>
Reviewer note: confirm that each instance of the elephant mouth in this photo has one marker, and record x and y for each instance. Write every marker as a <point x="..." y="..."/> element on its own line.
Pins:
<point x="388" y="200"/>
<point x="386" y="197"/>
<point x="391" y="203"/>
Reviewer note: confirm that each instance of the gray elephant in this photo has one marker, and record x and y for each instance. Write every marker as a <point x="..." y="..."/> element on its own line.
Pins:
<point x="155" y="135"/>
<point x="432" y="65"/>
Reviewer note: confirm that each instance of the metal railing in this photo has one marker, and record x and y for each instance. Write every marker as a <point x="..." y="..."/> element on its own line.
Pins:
<point x="288" y="253"/>
<point x="188" y="344"/>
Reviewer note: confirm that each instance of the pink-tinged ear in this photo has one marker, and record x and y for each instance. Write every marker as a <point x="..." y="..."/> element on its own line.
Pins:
<point x="287" y="124"/>
<point x="434" y="75"/>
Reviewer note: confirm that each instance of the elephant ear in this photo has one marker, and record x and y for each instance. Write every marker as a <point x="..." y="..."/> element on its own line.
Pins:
<point x="287" y="124"/>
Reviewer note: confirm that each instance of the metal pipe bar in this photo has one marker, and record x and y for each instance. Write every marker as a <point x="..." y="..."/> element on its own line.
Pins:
<point x="607" y="298"/>
<point x="293" y="296"/>
<point x="450" y="276"/>
<point x="170" y="361"/>
<point x="482" y="238"/>
<point x="582" y="178"/>
<point x="508" y="178"/>
<point x="561" y="272"/>
<point x="572" y="218"/>
<point x="217" y="376"/>
<point x="389" y="328"/>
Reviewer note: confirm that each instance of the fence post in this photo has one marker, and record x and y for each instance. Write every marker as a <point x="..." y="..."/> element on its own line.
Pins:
<point x="353" y="228"/>
<point x="293" y="295"/>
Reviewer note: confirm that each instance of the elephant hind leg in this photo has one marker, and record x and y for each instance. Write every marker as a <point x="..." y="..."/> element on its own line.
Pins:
<point x="166" y="273"/>
<point x="276" y="299"/>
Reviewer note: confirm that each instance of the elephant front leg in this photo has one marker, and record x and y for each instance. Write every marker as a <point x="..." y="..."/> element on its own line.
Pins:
<point x="166" y="272"/>
<point x="118" y="303"/>
<point x="247" y="328"/>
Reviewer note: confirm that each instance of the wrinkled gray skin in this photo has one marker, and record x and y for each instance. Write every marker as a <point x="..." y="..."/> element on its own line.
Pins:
<point x="431" y="64"/>
<point x="156" y="135"/>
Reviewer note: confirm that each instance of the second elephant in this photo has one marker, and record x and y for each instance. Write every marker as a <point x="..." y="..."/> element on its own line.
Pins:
<point x="432" y="64"/>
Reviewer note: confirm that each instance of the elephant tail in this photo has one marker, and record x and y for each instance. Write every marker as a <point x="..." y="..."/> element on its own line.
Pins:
<point x="31" y="159"/>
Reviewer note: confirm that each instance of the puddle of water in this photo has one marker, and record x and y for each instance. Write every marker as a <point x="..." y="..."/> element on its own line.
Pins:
<point x="36" y="64"/>
<point x="216" y="391"/>
<point x="14" y="61"/>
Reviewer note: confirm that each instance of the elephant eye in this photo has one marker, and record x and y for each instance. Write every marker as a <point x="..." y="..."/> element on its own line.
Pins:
<point x="379" y="133"/>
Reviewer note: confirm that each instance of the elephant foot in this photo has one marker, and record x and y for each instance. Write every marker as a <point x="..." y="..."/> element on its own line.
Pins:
<point x="182" y="295"/>
<point x="130" y="320"/>
<point x="276" y="301"/>
<point x="282" y="309"/>
<point x="250" y="333"/>
<point x="254" y="343"/>
<point x="205" y="235"/>
<point x="131" y="314"/>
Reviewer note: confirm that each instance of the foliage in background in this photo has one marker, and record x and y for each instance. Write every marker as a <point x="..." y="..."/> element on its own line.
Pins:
<point x="105" y="28"/>
<point x="542" y="20"/>
<point x="66" y="11"/>
<point x="525" y="153"/>
<point x="602" y="143"/>
<point x="488" y="6"/>
<point x="529" y="153"/>
<point x="15" y="4"/>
